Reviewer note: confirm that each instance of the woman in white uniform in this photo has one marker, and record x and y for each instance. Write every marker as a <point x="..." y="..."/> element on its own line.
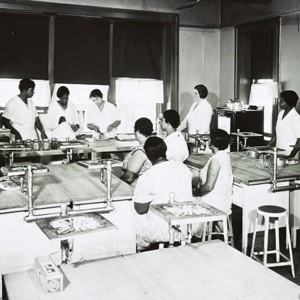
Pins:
<point x="102" y="117"/>
<point x="200" y="113"/>
<point x="20" y="115"/>
<point x="63" y="117"/>
<point x="287" y="132"/>
<point x="216" y="178"/>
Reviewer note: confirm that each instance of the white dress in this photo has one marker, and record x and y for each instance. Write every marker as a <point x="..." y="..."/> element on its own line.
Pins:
<point x="62" y="130"/>
<point x="103" y="119"/>
<point x="287" y="130"/>
<point x="176" y="147"/>
<point x="154" y="187"/>
<point x="22" y="117"/>
<point x="198" y="118"/>
<point x="220" y="196"/>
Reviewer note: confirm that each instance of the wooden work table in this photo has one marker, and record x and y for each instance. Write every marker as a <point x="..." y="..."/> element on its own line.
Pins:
<point x="90" y="146"/>
<point x="22" y="241"/>
<point x="248" y="170"/>
<point x="62" y="184"/>
<point x="252" y="183"/>
<point x="210" y="270"/>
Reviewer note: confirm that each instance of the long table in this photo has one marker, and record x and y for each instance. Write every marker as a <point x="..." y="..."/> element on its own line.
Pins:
<point x="210" y="270"/>
<point x="90" y="146"/>
<point x="252" y="188"/>
<point x="21" y="242"/>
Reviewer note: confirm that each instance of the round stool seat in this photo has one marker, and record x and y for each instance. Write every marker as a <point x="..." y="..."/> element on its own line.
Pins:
<point x="271" y="211"/>
<point x="268" y="214"/>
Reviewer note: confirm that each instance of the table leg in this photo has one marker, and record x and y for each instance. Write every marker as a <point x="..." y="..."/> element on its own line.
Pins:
<point x="189" y="233"/>
<point x="66" y="250"/>
<point x="171" y="236"/>
<point x="225" y="230"/>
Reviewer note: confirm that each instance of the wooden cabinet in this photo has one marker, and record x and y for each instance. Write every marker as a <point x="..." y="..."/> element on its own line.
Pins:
<point x="245" y="121"/>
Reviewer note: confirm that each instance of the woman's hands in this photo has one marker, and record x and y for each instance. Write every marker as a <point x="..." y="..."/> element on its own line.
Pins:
<point x="93" y="127"/>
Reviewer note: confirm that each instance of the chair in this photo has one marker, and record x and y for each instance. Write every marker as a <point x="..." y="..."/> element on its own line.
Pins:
<point x="218" y="231"/>
<point x="272" y="213"/>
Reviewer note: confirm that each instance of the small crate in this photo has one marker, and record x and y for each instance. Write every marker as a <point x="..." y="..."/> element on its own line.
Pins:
<point x="48" y="274"/>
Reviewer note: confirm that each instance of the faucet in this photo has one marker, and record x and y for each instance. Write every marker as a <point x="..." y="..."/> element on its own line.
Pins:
<point x="290" y="187"/>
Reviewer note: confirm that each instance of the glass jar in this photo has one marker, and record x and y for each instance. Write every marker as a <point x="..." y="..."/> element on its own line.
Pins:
<point x="46" y="144"/>
<point x="36" y="145"/>
<point x="18" y="142"/>
<point x="28" y="143"/>
<point x="54" y="144"/>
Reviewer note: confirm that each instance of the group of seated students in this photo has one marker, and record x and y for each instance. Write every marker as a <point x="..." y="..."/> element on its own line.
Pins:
<point x="156" y="170"/>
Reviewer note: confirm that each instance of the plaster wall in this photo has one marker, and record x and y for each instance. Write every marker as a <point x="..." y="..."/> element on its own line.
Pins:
<point x="289" y="62"/>
<point x="227" y="61"/>
<point x="199" y="63"/>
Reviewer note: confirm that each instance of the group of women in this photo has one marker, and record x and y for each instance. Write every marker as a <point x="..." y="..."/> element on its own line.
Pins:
<point x="216" y="178"/>
<point x="63" y="120"/>
<point x="150" y="157"/>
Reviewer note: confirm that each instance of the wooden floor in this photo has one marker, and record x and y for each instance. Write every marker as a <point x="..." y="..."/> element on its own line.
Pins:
<point x="284" y="271"/>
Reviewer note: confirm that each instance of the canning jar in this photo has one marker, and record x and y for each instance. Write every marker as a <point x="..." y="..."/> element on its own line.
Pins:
<point x="36" y="145"/>
<point x="54" y="143"/>
<point x="46" y="144"/>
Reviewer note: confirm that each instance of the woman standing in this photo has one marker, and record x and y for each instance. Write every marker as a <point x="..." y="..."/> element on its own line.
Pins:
<point x="200" y="113"/>
<point x="287" y="130"/>
<point x="102" y="117"/>
<point x="62" y="116"/>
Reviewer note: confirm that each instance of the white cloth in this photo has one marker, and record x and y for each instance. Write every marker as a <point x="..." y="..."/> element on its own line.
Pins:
<point x="62" y="130"/>
<point x="154" y="187"/>
<point x="287" y="131"/>
<point x="176" y="147"/>
<point x="198" y="118"/>
<point x="103" y="119"/>
<point x="22" y="117"/>
<point x="220" y="196"/>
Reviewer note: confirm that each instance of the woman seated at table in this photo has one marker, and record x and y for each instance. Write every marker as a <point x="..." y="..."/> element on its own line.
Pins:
<point x="165" y="178"/>
<point x="216" y="178"/>
<point x="136" y="162"/>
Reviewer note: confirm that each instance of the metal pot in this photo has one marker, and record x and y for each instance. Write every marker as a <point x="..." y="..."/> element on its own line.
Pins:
<point x="252" y="154"/>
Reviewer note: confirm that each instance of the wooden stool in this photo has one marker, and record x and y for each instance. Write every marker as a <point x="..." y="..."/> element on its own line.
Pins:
<point x="273" y="212"/>
<point x="211" y="232"/>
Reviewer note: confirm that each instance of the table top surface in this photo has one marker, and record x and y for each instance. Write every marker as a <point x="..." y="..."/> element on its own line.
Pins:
<point x="210" y="270"/>
<point x="179" y="213"/>
<point x="62" y="184"/>
<point x="248" y="170"/>
<point x="88" y="145"/>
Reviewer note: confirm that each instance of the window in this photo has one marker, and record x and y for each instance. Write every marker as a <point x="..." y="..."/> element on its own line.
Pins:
<point x="10" y="88"/>
<point x="136" y="98"/>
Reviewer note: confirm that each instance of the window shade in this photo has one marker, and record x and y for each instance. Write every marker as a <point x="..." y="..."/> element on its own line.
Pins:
<point x="81" y="53"/>
<point x="137" y="49"/>
<point x="24" y="46"/>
